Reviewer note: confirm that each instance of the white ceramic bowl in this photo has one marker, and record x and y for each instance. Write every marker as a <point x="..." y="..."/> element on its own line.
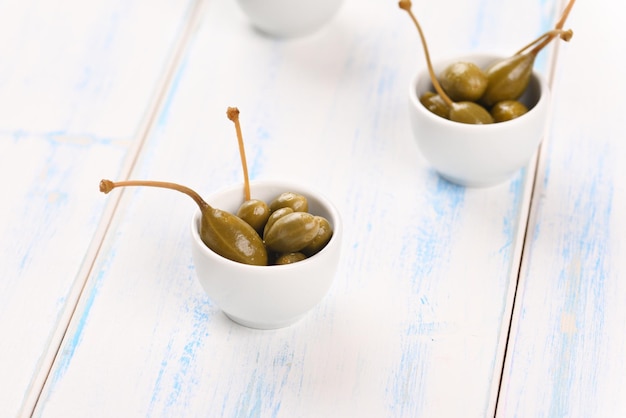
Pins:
<point x="267" y="297"/>
<point x="289" y="18"/>
<point x="478" y="155"/>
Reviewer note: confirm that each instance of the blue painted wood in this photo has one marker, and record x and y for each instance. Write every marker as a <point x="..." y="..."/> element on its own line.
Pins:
<point x="415" y="322"/>
<point x="77" y="81"/>
<point x="568" y="340"/>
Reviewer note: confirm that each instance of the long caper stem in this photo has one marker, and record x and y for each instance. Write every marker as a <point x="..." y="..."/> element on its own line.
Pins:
<point x="559" y="25"/>
<point x="406" y="5"/>
<point x="107" y="185"/>
<point x="564" y="15"/>
<point x="566" y="35"/>
<point x="233" y="114"/>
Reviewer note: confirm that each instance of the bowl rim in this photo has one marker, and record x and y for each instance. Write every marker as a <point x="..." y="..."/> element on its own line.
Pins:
<point x="544" y="93"/>
<point x="334" y="219"/>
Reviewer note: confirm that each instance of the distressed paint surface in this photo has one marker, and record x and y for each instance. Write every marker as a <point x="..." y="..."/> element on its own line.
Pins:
<point x="397" y="334"/>
<point x="416" y="322"/>
<point x="75" y="94"/>
<point x="566" y="357"/>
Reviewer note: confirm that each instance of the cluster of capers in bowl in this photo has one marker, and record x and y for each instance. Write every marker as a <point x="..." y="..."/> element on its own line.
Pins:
<point x="281" y="232"/>
<point x="465" y="82"/>
<point x="289" y="232"/>
<point x="465" y="93"/>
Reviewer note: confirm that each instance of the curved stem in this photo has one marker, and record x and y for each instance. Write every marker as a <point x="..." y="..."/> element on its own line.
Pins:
<point x="566" y="35"/>
<point x="564" y="15"/>
<point x="534" y="42"/>
<point x="406" y="5"/>
<point x="107" y="185"/>
<point x="233" y="114"/>
<point x="559" y="25"/>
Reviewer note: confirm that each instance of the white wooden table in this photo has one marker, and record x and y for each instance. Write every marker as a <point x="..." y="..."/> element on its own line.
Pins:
<point x="449" y="302"/>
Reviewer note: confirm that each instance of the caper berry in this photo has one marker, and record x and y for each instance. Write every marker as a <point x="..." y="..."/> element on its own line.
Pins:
<point x="289" y="258"/>
<point x="435" y="104"/>
<point x="470" y="112"/>
<point x="255" y="212"/>
<point x="508" y="79"/>
<point x="291" y="232"/>
<point x="324" y="234"/>
<point x="232" y="238"/>
<point x="277" y="214"/>
<point x="508" y="110"/>
<point x="295" y="201"/>
<point x="463" y="81"/>
<point x="223" y="232"/>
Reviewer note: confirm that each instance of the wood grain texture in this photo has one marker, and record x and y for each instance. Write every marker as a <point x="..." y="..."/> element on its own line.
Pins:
<point x="568" y="341"/>
<point x="413" y="324"/>
<point x="77" y="81"/>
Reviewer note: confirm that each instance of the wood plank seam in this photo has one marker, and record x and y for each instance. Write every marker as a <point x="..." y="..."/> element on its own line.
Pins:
<point x="48" y="358"/>
<point x="537" y="166"/>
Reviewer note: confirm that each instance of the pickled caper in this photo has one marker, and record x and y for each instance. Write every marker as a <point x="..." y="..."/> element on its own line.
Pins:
<point x="508" y="110"/>
<point x="274" y="216"/>
<point x="508" y="79"/>
<point x="470" y="112"/>
<point x="289" y="258"/>
<point x="223" y="232"/>
<point x="256" y="213"/>
<point x="435" y="104"/>
<point x="324" y="234"/>
<point x="291" y="232"/>
<point x="295" y="201"/>
<point x="463" y="81"/>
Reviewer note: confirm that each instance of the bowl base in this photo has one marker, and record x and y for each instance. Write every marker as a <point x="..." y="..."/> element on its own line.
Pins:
<point x="264" y="325"/>
<point x="475" y="183"/>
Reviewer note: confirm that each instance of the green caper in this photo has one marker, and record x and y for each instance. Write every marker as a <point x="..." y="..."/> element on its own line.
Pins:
<point x="255" y="212"/>
<point x="507" y="79"/>
<point x="295" y="201"/>
<point x="289" y="258"/>
<point x="277" y="214"/>
<point x="291" y="232"/>
<point x="435" y="104"/>
<point x="463" y="81"/>
<point x="232" y="237"/>
<point x="470" y="112"/>
<point x="507" y="110"/>
<point x="223" y="232"/>
<point x="324" y="234"/>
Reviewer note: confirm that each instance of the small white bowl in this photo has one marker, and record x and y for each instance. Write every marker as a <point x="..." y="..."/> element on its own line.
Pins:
<point x="289" y="18"/>
<point x="478" y="155"/>
<point x="267" y="297"/>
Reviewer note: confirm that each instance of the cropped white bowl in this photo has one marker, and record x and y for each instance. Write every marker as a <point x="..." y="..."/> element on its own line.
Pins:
<point x="267" y="297"/>
<point x="289" y="18"/>
<point x="478" y="155"/>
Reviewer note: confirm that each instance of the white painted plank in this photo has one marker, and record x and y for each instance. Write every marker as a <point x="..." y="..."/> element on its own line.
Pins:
<point x="568" y="340"/>
<point x="76" y="94"/>
<point x="412" y="325"/>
